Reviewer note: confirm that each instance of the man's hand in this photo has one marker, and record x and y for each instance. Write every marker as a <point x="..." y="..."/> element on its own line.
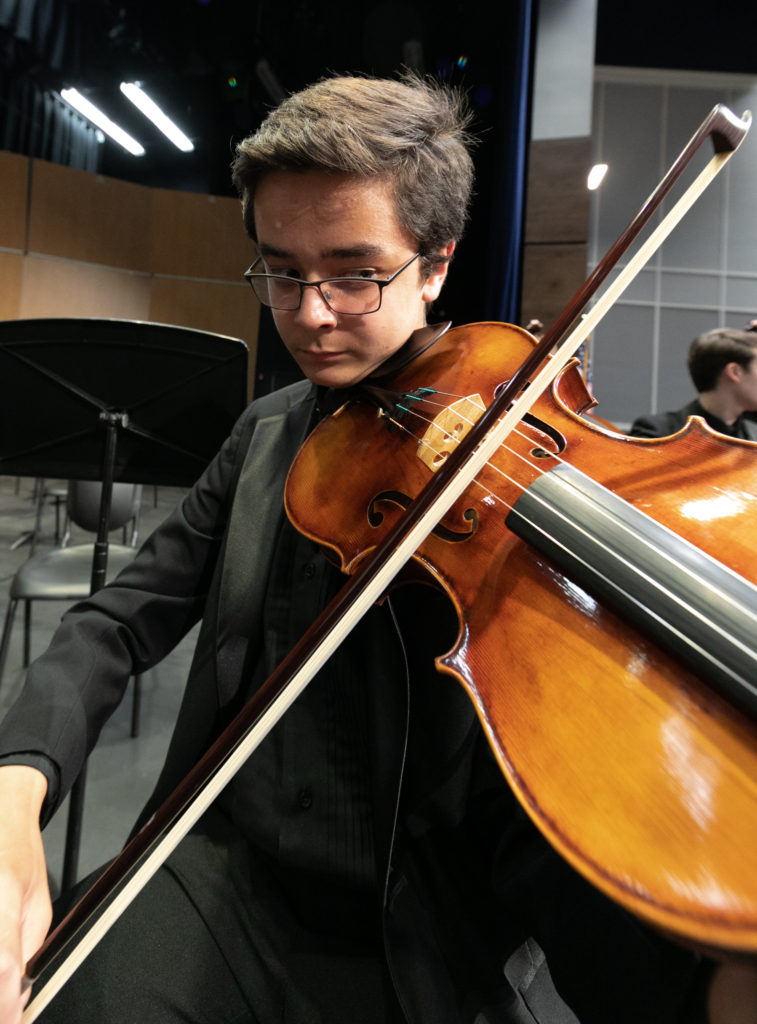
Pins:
<point x="25" y="910"/>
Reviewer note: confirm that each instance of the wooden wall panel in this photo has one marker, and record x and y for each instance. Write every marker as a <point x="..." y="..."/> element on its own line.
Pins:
<point x="11" y="272"/>
<point x="104" y="248"/>
<point x="557" y="226"/>
<point x="14" y="172"/>
<point x="221" y="308"/>
<point x="54" y="287"/>
<point x="199" y="236"/>
<point x="552" y="274"/>
<point x="558" y="199"/>
<point x="83" y="216"/>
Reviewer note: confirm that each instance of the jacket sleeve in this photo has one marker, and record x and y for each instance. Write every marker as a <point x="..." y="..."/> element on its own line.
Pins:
<point x="124" y="629"/>
<point x="661" y="425"/>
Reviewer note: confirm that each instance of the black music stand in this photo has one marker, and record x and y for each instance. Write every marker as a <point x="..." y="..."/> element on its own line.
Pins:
<point x="114" y="400"/>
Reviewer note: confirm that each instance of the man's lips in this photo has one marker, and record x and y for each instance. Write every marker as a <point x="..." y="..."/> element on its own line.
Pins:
<point x="320" y="355"/>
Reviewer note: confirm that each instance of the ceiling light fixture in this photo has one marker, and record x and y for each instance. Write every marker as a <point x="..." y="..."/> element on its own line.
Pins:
<point x="596" y="176"/>
<point x="75" y="99"/>
<point x="151" y="110"/>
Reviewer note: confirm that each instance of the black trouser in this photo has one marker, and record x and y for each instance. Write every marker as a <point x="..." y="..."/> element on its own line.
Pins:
<point x="199" y="954"/>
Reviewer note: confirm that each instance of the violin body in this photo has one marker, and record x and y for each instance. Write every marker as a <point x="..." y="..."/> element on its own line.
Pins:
<point x="635" y="769"/>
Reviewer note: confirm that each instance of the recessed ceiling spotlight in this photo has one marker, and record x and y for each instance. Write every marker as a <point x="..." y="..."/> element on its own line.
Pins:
<point x="596" y="176"/>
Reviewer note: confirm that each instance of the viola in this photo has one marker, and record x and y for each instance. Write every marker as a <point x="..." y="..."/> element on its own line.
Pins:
<point x="595" y="577"/>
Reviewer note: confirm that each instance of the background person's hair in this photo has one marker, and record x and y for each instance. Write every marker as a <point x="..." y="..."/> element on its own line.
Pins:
<point x="411" y="133"/>
<point x="710" y="352"/>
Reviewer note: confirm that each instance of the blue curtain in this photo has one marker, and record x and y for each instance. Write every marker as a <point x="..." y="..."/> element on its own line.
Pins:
<point x="485" y="280"/>
<point x="503" y="285"/>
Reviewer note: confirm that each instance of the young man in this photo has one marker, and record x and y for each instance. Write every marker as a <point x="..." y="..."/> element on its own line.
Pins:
<point x="368" y="864"/>
<point x="723" y="368"/>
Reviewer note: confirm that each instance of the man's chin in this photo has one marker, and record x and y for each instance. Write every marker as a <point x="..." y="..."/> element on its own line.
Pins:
<point x="335" y="377"/>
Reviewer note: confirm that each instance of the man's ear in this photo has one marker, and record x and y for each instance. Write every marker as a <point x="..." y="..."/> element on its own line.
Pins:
<point x="732" y="373"/>
<point x="433" y="285"/>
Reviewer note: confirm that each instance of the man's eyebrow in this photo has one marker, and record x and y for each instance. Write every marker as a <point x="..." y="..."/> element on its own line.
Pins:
<point x="361" y="251"/>
<point x="271" y="250"/>
<point x="366" y="251"/>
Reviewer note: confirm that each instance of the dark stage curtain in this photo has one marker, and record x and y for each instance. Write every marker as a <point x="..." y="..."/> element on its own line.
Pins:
<point x="485" y="279"/>
<point x="38" y="38"/>
<point x="509" y="199"/>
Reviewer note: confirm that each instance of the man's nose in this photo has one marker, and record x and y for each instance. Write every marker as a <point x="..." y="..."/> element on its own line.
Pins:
<point x="314" y="309"/>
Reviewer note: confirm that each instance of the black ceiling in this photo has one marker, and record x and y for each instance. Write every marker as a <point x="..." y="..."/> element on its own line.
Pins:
<point x="669" y="34"/>
<point x="218" y="65"/>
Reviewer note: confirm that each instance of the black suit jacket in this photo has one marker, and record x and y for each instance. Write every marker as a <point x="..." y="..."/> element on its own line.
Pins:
<point x="664" y="424"/>
<point x="466" y="880"/>
<point x="188" y="569"/>
<point x="210" y="560"/>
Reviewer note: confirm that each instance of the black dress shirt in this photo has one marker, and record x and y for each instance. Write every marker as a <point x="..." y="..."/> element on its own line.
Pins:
<point x="302" y="799"/>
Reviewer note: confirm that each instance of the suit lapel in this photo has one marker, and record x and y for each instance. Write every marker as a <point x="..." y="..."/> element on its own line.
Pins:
<point x="253" y="526"/>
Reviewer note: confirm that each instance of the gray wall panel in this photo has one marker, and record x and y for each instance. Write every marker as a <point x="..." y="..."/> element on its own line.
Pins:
<point x="706" y="274"/>
<point x="622" y="361"/>
<point x="690" y="289"/>
<point x="628" y="113"/>
<point x="742" y="224"/>
<point x="698" y="240"/>
<point x="678" y="328"/>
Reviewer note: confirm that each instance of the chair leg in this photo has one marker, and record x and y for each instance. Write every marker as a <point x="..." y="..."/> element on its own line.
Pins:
<point x="70" y="872"/>
<point x="39" y="501"/>
<point x="5" y="642"/>
<point x="27" y="632"/>
<point x="135" y="707"/>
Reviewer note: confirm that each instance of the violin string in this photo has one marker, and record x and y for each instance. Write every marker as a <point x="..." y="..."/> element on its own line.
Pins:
<point x="429" y="423"/>
<point x="605" y="513"/>
<point x="563" y="483"/>
<point x="613" y="553"/>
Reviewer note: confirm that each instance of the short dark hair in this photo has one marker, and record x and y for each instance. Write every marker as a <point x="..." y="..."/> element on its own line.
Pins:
<point x="712" y="351"/>
<point x="410" y="132"/>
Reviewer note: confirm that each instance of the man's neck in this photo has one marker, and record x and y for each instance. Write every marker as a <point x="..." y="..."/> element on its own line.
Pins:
<point x="721" y="404"/>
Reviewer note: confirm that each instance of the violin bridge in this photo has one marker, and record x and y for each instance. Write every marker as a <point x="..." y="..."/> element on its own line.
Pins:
<point x="448" y="429"/>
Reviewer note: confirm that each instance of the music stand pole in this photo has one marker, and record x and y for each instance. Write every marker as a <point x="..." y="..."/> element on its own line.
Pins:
<point x="112" y="421"/>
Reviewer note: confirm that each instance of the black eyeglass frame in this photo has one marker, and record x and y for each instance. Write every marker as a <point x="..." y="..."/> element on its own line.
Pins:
<point x="250" y="276"/>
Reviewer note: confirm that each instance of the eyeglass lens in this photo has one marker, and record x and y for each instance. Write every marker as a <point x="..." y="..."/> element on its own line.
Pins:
<point x="343" y="295"/>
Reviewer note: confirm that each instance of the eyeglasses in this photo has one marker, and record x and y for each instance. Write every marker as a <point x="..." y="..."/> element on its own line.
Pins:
<point x="351" y="295"/>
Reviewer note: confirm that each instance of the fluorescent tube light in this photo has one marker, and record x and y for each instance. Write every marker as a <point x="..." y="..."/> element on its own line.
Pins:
<point x="152" y="111"/>
<point x="75" y="99"/>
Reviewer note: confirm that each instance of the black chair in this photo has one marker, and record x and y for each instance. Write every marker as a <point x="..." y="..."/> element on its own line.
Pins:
<point x="64" y="573"/>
